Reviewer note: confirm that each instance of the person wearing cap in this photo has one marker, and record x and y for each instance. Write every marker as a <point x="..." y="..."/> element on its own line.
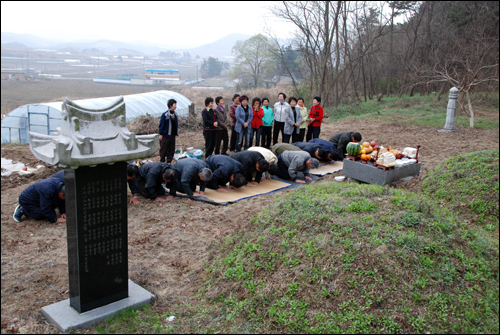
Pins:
<point x="342" y="139"/>
<point x="40" y="200"/>
<point x="152" y="176"/>
<point x="292" y="162"/>
<point x="190" y="172"/>
<point x="232" y="117"/>
<point x="281" y="110"/>
<point x="244" y="116"/>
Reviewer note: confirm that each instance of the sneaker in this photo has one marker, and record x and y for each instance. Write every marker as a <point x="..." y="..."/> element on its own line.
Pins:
<point x="18" y="213"/>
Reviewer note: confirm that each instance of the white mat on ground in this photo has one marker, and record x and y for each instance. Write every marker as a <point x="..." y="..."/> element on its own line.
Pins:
<point x="327" y="168"/>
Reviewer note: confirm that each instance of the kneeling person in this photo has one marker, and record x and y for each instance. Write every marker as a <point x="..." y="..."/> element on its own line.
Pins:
<point x="190" y="172"/>
<point x="252" y="161"/>
<point x="315" y="150"/>
<point x="280" y="148"/>
<point x="40" y="200"/>
<point x="292" y="162"/>
<point x="225" y="169"/>
<point x="152" y="176"/>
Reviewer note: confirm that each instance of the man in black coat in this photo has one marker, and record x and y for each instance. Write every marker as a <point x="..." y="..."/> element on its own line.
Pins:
<point x="252" y="161"/>
<point x="315" y="150"/>
<point x="40" y="200"/>
<point x="342" y="139"/>
<point x="152" y="176"/>
<point x="190" y="172"/>
<point x="225" y="169"/>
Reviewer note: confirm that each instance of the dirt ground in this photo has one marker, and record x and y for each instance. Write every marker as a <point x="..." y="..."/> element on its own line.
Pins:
<point x="168" y="242"/>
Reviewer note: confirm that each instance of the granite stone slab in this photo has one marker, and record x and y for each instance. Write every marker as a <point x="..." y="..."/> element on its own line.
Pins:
<point x="369" y="174"/>
<point x="66" y="317"/>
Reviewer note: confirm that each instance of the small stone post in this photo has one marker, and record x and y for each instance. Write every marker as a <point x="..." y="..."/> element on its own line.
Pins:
<point x="450" y="113"/>
<point x="191" y="110"/>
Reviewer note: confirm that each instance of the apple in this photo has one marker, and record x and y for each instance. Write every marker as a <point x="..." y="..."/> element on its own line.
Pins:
<point x="373" y="144"/>
<point x="25" y="168"/>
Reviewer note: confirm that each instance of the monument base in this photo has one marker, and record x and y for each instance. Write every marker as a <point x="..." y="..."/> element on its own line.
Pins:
<point x="445" y="130"/>
<point x="66" y="317"/>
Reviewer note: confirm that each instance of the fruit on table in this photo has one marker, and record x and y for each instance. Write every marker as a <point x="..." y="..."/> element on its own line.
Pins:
<point x="369" y="150"/>
<point x="353" y="149"/>
<point x="363" y="151"/>
<point x="365" y="157"/>
<point x="373" y="143"/>
<point x="366" y="144"/>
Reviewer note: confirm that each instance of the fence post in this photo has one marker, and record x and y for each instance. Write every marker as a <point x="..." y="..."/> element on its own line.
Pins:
<point x="191" y="110"/>
<point x="450" y="112"/>
<point x="48" y="121"/>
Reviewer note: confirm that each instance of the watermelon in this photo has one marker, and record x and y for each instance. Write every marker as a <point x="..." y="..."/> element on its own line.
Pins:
<point x="353" y="149"/>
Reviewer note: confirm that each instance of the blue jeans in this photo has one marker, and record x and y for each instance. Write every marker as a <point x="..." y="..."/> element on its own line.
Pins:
<point x="254" y="131"/>
<point x="244" y="133"/>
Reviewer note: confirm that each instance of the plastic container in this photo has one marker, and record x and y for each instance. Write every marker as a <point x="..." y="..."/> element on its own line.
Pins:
<point x="340" y="178"/>
<point x="190" y="150"/>
<point x="196" y="154"/>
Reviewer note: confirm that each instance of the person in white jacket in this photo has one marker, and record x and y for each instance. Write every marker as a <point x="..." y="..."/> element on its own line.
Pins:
<point x="281" y="110"/>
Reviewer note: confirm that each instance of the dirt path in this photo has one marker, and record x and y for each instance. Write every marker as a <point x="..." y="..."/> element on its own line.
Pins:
<point x="168" y="242"/>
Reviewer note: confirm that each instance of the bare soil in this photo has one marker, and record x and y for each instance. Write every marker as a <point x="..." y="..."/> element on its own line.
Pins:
<point x="168" y="242"/>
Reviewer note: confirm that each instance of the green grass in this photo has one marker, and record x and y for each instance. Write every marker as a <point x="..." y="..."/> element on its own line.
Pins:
<point x="350" y="258"/>
<point x="469" y="185"/>
<point x="353" y="259"/>
<point x="416" y="110"/>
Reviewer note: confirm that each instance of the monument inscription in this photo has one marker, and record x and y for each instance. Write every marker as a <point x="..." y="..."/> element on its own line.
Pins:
<point x="97" y="235"/>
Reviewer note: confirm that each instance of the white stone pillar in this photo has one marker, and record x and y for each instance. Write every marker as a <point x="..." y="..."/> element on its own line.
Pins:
<point x="450" y="112"/>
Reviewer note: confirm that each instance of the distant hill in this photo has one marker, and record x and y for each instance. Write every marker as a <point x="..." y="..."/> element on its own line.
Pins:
<point x="220" y="49"/>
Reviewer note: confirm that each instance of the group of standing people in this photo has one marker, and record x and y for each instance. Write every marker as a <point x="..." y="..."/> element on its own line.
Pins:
<point x="258" y="121"/>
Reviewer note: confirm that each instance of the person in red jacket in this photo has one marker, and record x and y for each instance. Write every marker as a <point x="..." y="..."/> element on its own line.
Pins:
<point x="258" y="114"/>
<point x="315" y="119"/>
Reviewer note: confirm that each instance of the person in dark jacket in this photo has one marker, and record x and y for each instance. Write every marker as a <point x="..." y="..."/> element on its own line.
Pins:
<point x="190" y="172"/>
<point x="342" y="139"/>
<point x="252" y="161"/>
<point x="168" y="130"/>
<point x="210" y="124"/>
<point x="132" y="174"/>
<point x="221" y="134"/>
<point x="40" y="200"/>
<point x="232" y="116"/>
<point x="315" y="150"/>
<point x="152" y="176"/>
<point x="225" y="169"/>
<point x="332" y="153"/>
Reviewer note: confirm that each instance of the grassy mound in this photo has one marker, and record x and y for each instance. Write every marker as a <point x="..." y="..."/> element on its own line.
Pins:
<point x="468" y="184"/>
<point x="335" y="258"/>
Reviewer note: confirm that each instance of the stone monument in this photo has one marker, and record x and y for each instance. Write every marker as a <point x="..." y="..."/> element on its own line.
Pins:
<point x="95" y="144"/>
<point x="450" y="112"/>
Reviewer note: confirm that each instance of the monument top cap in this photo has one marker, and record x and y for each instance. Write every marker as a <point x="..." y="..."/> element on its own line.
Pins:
<point x="92" y="136"/>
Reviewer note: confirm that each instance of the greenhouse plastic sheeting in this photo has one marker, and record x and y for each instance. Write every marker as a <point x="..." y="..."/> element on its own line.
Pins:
<point x="44" y="118"/>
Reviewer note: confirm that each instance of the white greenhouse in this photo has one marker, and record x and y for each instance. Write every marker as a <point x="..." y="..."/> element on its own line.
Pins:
<point x="44" y="118"/>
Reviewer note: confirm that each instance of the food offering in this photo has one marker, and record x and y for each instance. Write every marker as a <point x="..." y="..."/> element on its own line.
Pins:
<point x="394" y="158"/>
<point x="353" y="151"/>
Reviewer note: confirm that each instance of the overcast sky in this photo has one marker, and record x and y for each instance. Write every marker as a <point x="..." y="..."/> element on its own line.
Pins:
<point x="179" y="23"/>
